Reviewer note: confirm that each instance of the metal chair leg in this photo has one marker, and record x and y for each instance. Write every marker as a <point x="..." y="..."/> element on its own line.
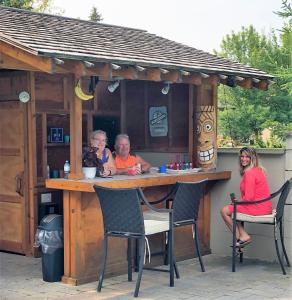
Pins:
<point x="129" y="258"/>
<point x="101" y="275"/>
<point x="165" y="261"/>
<point x="233" y="243"/>
<point x="175" y="268"/>
<point x="141" y="262"/>
<point x="136" y="267"/>
<point x="197" y="243"/>
<point x="283" y="245"/>
<point x="170" y="257"/>
<point x="241" y="253"/>
<point x="278" y="252"/>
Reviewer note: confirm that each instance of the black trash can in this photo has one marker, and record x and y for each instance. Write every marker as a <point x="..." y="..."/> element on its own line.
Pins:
<point x="49" y="236"/>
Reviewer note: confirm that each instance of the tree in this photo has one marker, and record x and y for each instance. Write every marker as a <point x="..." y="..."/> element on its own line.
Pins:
<point x="43" y="6"/>
<point x="250" y="111"/>
<point x="24" y="4"/>
<point x="95" y="15"/>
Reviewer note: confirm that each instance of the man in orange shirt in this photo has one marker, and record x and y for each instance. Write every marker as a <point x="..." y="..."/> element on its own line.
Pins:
<point x="126" y="162"/>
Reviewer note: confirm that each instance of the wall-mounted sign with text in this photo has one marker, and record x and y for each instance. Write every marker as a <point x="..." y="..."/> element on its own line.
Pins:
<point x="158" y="123"/>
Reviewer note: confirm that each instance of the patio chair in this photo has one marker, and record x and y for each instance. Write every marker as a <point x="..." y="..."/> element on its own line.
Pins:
<point x="275" y="219"/>
<point x="123" y="217"/>
<point x="186" y="197"/>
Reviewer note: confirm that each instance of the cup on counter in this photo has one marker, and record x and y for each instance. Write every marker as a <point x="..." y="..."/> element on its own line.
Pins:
<point x="55" y="174"/>
<point x="162" y="169"/>
<point x="66" y="139"/>
<point x="61" y="173"/>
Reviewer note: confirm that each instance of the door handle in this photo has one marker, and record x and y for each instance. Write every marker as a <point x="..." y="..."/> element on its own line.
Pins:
<point x="19" y="184"/>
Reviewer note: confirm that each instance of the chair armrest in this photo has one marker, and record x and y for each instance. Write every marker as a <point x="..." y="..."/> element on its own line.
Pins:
<point x="237" y="202"/>
<point x="169" y="196"/>
<point x="148" y="204"/>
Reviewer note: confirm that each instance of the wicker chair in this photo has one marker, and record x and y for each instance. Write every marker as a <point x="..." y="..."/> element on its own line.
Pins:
<point x="123" y="217"/>
<point x="186" y="197"/>
<point x="275" y="219"/>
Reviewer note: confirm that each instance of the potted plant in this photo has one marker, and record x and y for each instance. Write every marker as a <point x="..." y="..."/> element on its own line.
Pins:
<point x="91" y="165"/>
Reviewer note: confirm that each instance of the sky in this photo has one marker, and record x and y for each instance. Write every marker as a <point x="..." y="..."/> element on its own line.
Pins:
<point x="201" y="24"/>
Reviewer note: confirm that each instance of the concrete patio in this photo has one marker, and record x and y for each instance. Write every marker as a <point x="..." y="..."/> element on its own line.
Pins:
<point x="21" y="278"/>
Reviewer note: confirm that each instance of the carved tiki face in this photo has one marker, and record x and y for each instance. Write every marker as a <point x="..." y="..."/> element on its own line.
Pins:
<point x="206" y="131"/>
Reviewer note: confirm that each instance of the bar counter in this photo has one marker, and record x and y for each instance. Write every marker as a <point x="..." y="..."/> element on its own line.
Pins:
<point x="83" y="227"/>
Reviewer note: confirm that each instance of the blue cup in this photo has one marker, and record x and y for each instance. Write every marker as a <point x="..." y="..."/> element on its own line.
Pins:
<point x="66" y="139"/>
<point x="162" y="169"/>
<point x="55" y="174"/>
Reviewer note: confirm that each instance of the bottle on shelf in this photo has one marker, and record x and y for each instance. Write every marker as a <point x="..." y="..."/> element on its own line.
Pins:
<point x="66" y="169"/>
<point x="48" y="171"/>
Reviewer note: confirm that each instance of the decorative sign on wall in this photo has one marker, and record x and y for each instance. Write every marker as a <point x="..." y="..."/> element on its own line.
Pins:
<point x="158" y="123"/>
<point x="206" y="131"/>
<point x="56" y="135"/>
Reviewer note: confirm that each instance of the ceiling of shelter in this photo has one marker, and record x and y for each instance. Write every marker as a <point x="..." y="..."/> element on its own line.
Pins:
<point x="49" y="40"/>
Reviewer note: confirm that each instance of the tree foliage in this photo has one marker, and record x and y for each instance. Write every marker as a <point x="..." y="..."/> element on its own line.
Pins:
<point x="246" y="113"/>
<point x="43" y="6"/>
<point x="95" y="15"/>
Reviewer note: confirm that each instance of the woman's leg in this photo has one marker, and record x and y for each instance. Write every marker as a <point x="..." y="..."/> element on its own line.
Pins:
<point x="241" y="234"/>
<point x="226" y="215"/>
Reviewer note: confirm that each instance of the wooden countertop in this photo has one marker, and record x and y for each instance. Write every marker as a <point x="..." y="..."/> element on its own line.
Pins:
<point x="124" y="181"/>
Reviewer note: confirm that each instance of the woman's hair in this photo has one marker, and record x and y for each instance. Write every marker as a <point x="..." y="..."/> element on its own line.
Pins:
<point x="95" y="132"/>
<point x="254" y="160"/>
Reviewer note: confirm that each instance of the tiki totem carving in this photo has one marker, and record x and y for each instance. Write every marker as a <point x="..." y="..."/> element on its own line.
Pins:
<point x="206" y="136"/>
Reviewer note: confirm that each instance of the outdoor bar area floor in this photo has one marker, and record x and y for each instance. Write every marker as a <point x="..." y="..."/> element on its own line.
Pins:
<point x="21" y="278"/>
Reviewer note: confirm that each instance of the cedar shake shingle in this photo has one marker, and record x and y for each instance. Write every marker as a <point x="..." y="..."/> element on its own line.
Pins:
<point x="67" y="38"/>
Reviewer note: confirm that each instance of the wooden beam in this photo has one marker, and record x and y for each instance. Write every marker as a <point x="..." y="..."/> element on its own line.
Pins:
<point x="262" y="85"/>
<point x="43" y="64"/>
<point x="75" y="133"/>
<point x="7" y="62"/>
<point x="126" y="72"/>
<point x="194" y="79"/>
<point x="212" y="79"/>
<point x="173" y="76"/>
<point x="152" y="75"/>
<point x="246" y="83"/>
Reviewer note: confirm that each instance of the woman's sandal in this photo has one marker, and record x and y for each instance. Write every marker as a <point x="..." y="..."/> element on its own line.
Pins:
<point x="241" y="244"/>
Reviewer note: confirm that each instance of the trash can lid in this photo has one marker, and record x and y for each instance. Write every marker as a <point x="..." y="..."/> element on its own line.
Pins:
<point x="52" y="222"/>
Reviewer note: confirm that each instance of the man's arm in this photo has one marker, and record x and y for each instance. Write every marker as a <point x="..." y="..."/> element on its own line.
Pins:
<point x="145" y="166"/>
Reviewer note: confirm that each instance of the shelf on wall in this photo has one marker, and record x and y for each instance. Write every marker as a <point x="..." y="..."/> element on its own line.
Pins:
<point x="57" y="145"/>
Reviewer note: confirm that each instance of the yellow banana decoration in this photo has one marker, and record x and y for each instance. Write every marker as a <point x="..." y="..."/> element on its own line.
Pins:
<point x="80" y="94"/>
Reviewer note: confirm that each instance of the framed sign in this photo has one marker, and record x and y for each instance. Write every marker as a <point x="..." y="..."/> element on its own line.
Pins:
<point x="56" y="135"/>
<point x="158" y="122"/>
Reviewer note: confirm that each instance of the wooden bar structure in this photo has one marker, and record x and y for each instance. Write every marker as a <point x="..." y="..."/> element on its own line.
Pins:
<point x="83" y="228"/>
<point x="40" y="72"/>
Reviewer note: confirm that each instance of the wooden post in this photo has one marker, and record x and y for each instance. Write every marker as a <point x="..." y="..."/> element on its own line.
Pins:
<point x="31" y="164"/>
<point x="123" y="107"/>
<point x="191" y="122"/>
<point x="75" y="133"/>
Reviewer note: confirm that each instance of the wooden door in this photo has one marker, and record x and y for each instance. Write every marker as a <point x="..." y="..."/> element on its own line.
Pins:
<point x="12" y="177"/>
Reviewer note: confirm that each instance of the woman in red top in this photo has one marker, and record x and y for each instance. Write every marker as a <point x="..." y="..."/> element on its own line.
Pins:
<point x="253" y="186"/>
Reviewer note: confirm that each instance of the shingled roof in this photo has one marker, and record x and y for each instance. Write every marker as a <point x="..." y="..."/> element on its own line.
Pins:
<point x="67" y="38"/>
